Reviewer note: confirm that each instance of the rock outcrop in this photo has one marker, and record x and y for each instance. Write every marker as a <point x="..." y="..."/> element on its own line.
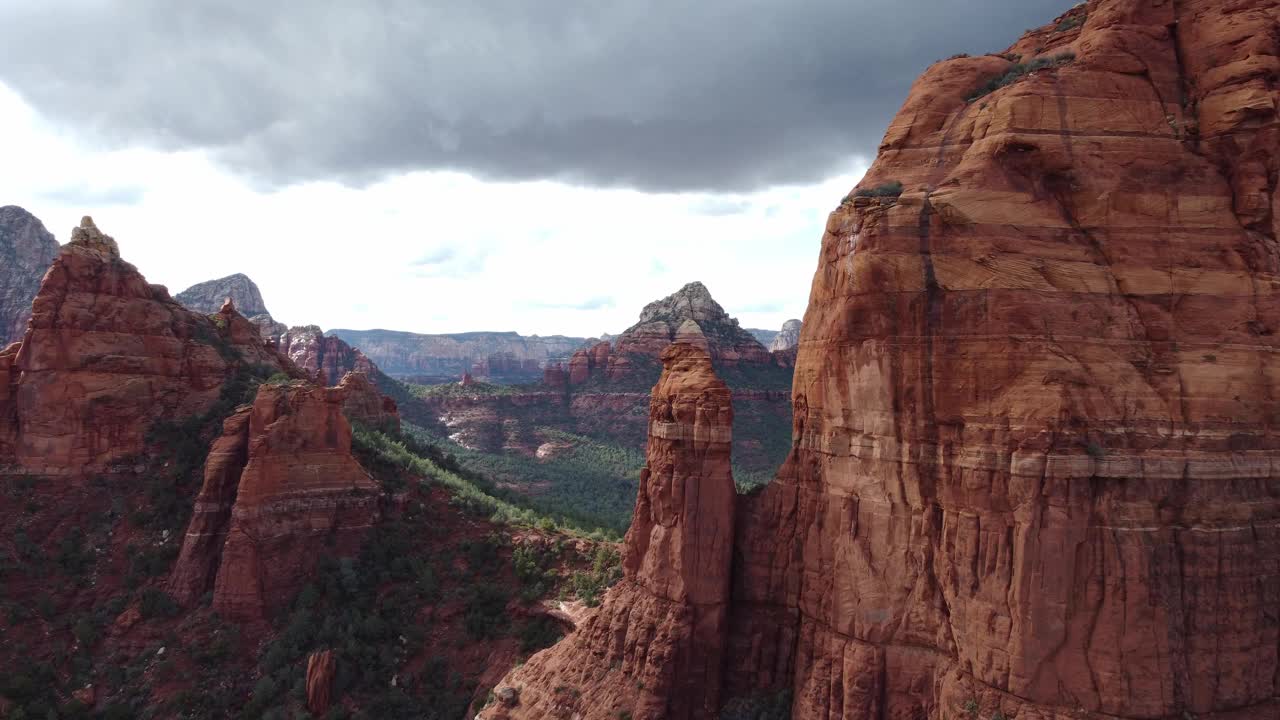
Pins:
<point x="1033" y="471"/>
<point x="27" y="250"/>
<point x="320" y="669"/>
<point x="208" y="296"/>
<point x="690" y="310"/>
<point x="328" y="357"/>
<point x="363" y="403"/>
<point x="787" y="338"/>
<point x="106" y="356"/>
<point x="655" y="645"/>
<point x="281" y="488"/>
<point x="588" y="363"/>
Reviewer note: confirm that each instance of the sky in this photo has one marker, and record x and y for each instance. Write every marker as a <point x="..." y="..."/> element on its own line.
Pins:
<point x="448" y="167"/>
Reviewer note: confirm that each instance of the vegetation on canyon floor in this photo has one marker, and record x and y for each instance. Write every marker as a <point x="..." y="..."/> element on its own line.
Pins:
<point x="437" y="584"/>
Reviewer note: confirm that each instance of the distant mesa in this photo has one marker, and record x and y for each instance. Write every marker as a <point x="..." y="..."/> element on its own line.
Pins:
<point x="499" y="357"/>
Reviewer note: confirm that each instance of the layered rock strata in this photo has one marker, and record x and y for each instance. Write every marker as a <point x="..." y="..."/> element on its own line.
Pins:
<point x="329" y="358"/>
<point x="363" y="403"/>
<point x="106" y="356"/>
<point x="588" y="363"/>
<point x="655" y="646"/>
<point x="281" y="488"/>
<point x="27" y="250"/>
<point x="1033" y="466"/>
<point x="689" y="309"/>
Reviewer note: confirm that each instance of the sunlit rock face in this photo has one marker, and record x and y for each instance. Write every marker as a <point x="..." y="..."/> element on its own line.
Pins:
<point x="106" y="356"/>
<point x="281" y="489"/>
<point x="655" y="646"/>
<point x="1033" y="466"/>
<point x="1033" y="469"/>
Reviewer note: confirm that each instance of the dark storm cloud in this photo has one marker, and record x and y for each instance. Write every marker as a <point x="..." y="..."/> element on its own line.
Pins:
<point x="660" y="95"/>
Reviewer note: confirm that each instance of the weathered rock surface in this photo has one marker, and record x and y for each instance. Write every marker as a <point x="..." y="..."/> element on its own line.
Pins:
<point x="364" y="403"/>
<point x="448" y="356"/>
<point x="1034" y="471"/>
<point x="106" y="356"/>
<point x="654" y="648"/>
<point x="589" y="362"/>
<point x="27" y="250"/>
<point x="208" y="296"/>
<point x="281" y="489"/>
<point x="320" y="669"/>
<point x="328" y="357"/>
<point x="787" y="338"/>
<point x="690" y="310"/>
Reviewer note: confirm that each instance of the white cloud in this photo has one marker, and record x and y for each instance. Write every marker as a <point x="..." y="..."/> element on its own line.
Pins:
<point x="427" y="251"/>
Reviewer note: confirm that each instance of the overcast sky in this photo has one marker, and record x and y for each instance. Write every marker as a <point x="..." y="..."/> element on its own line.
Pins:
<point x="546" y="167"/>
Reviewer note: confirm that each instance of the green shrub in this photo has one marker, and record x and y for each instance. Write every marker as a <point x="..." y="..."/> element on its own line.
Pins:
<point x="486" y="611"/>
<point x="1017" y="71"/>
<point x="1070" y="23"/>
<point x="156" y="603"/>
<point x="893" y="188"/>
<point x="606" y="571"/>
<point x="539" y="633"/>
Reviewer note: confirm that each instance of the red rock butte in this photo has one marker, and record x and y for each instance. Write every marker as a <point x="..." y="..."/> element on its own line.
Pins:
<point x="1033" y="468"/>
<point x="663" y="627"/>
<point x="105" y="356"/>
<point x="281" y="488"/>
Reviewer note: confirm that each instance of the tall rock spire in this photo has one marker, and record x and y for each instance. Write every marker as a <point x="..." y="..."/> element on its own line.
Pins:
<point x="657" y="641"/>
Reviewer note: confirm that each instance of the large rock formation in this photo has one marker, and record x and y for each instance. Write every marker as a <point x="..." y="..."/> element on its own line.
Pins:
<point x="26" y="251"/>
<point x="787" y="338"/>
<point x="363" y="403"/>
<point x="448" y="356"/>
<point x="207" y="297"/>
<point x="106" y="356"/>
<point x="1033" y="469"/>
<point x="329" y="358"/>
<point x="656" y="645"/>
<point x="589" y="362"/>
<point x="281" y="488"/>
<point x="690" y="310"/>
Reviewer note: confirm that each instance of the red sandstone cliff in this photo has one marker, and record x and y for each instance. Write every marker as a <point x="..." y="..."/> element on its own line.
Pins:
<point x="1033" y="465"/>
<point x="329" y="357"/>
<point x="107" y="355"/>
<point x="655" y="645"/>
<point x="280" y="489"/>
<point x="690" y="315"/>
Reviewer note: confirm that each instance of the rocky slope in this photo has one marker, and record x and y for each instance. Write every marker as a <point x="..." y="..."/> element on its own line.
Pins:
<point x="688" y="313"/>
<point x="26" y="251"/>
<point x="1033" y="465"/>
<point x="107" y="356"/>
<point x="449" y="356"/>
<point x="327" y="357"/>
<point x="281" y="488"/>
<point x="207" y="297"/>
<point x="787" y="338"/>
<point x="656" y="646"/>
<point x="185" y="520"/>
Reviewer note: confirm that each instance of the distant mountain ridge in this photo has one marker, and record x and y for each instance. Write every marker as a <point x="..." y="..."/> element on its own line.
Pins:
<point x="405" y="353"/>
<point x="27" y="250"/>
<point x="208" y="296"/>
